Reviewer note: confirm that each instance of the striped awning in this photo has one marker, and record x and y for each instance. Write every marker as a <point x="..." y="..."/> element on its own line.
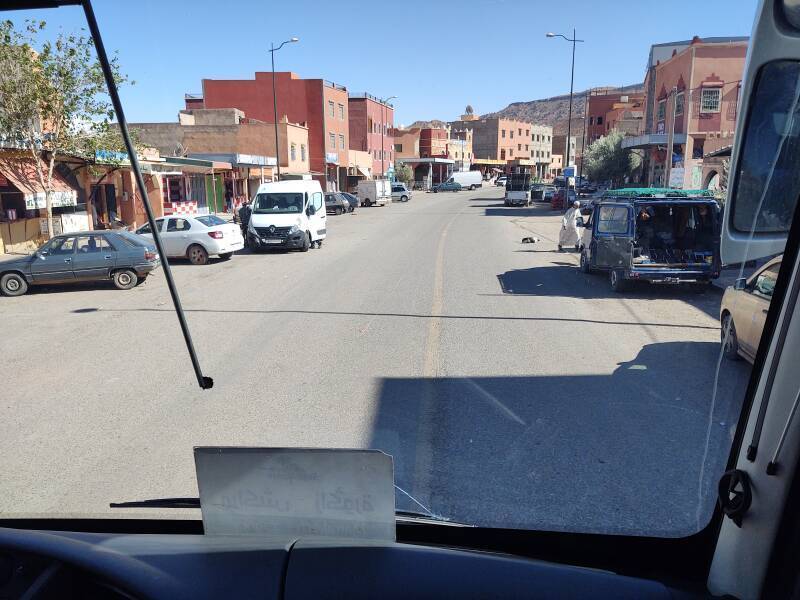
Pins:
<point x="21" y="172"/>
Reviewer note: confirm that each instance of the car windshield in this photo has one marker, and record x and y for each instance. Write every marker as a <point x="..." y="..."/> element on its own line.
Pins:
<point x="523" y="368"/>
<point x="211" y="220"/>
<point x="277" y="203"/>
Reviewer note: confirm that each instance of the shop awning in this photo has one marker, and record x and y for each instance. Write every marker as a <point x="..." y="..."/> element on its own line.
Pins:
<point x="20" y="171"/>
<point x="363" y="171"/>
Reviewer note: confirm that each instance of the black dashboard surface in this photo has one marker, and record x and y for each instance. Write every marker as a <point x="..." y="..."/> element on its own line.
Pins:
<point x="198" y="566"/>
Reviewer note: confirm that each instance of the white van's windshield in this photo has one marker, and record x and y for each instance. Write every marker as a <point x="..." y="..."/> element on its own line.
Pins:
<point x="278" y="203"/>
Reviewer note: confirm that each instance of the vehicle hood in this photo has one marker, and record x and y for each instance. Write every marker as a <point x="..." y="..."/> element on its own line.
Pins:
<point x="16" y="261"/>
<point x="279" y="220"/>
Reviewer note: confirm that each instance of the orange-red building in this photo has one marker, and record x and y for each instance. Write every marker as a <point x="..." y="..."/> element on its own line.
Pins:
<point x="321" y="104"/>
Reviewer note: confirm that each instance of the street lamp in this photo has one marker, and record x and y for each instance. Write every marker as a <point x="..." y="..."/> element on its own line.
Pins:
<point x="383" y="131"/>
<point x="569" y="121"/>
<point x="272" y="51"/>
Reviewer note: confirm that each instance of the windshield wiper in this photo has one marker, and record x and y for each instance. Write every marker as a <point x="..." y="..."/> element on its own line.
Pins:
<point x="159" y="503"/>
<point x="405" y="516"/>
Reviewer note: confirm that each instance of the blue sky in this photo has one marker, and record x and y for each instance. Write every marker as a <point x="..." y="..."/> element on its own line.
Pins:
<point x="435" y="55"/>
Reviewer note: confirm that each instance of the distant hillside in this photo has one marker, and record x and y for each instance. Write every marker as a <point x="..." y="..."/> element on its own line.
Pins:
<point x="554" y="111"/>
<point x="435" y="123"/>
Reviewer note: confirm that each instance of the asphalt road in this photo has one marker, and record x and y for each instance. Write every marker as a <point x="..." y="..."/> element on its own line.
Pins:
<point x="511" y="389"/>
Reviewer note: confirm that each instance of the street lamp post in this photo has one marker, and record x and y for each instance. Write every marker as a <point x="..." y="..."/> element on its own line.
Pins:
<point x="383" y="132"/>
<point x="569" y="121"/>
<point x="272" y="51"/>
<point x="583" y="140"/>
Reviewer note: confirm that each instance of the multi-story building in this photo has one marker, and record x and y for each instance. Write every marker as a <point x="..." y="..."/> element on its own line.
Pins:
<point x="322" y="105"/>
<point x="433" y="142"/>
<point x="371" y="127"/>
<point x="406" y="142"/>
<point x="691" y="100"/>
<point x="459" y="148"/>
<point x="496" y="138"/>
<point x="541" y="149"/>
<point x="556" y="165"/>
<point x="560" y="147"/>
<point x="613" y="109"/>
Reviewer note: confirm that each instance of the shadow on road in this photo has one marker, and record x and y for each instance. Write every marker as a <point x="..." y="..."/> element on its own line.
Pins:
<point x="335" y="313"/>
<point x="500" y="210"/>
<point x="564" y="279"/>
<point x="610" y="453"/>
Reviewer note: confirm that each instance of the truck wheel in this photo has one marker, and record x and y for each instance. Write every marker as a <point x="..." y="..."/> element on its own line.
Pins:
<point x="618" y="283"/>
<point x="585" y="266"/>
<point x="472" y="188"/>
<point x="13" y="284"/>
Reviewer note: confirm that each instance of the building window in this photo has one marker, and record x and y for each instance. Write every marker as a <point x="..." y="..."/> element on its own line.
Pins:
<point x="591" y="120"/>
<point x="662" y="110"/>
<point x="511" y="152"/>
<point x="526" y="146"/>
<point x="398" y="147"/>
<point x="527" y="132"/>
<point x="511" y="133"/>
<point x="341" y="142"/>
<point x="679" y="104"/>
<point x="502" y="154"/>
<point x="531" y="153"/>
<point x="548" y="154"/>
<point x="302" y="151"/>
<point x="293" y="152"/>
<point x="599" y="120"/>
<point x="519" y="146"/>
<point x="538" y="137"/>
<point x="332" y="139"/>
<point x="710" y="100"/>
<point x="502" y="133"/>
<point x="330" y="108"/>
<point x="548" y="138"/>
<point x="520" y="131"/>
<point x="341" y="112"/>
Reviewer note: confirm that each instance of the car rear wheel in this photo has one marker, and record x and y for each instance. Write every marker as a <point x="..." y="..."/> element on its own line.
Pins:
<point x="13" y="284"/>
<point x="124" y="279"/>
<point x="403" y="198"/>
<point x="197" y="255"/>
<point x="472" y="187"/>
<point x="618" y="283"/>
<point x="339" y="210"/>
<point x="730" y="344"/>
<point x="306" y="243"/>
<point x="226" y="255"/>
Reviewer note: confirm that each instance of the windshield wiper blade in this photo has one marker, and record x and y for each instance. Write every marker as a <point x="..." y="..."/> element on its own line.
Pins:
<point x="408" y="516"/>
<point x="159" y="503"/>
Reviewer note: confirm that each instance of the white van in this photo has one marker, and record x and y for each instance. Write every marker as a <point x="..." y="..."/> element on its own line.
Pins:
<point x="287" y="215"/>
<point x="373" y="192"/>
<point x="469" y="180"/>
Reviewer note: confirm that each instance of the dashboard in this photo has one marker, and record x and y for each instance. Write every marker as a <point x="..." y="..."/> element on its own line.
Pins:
<point x="58" y="564"/>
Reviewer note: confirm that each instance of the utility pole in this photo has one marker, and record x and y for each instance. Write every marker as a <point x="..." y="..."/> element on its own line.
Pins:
<point x="583" y="141"/>
<point x="383" y="132"/>
<point x="272" y="51"/>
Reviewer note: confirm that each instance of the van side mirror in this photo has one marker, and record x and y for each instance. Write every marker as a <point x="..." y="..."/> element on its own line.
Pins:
<point x="310" y="211"/>
<point x="740" y="284"/>
<point x="41" y="254"/>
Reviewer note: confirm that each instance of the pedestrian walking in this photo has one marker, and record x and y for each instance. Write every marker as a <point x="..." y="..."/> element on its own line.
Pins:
<point x="570" y="235"/>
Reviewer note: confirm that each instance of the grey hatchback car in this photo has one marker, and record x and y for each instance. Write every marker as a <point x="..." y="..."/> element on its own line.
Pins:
<point x="119" y="256"/>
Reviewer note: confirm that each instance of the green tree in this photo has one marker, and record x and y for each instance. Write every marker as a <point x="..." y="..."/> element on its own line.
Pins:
<point x="403" y="173"/>
<point x="53" y="98"/>
<point x="607" y="159"/>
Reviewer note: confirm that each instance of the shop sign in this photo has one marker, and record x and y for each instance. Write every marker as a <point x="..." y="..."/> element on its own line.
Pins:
<point x="57" y="198"/>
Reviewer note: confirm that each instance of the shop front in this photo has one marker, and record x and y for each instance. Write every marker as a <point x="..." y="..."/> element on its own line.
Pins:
<point x="23" y="204"/>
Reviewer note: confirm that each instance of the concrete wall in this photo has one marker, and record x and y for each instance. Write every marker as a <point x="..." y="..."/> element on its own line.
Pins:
<point x="246" y="138"/>
<point x="408" y="139"/>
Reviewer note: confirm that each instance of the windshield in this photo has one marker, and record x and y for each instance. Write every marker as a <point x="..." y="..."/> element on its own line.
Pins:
<point x="278" y="203"/>
<point x="523" y="370"/>
<point x="211" y="220"/>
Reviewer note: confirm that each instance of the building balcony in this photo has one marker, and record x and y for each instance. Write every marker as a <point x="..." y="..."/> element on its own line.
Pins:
<point x="650" y="140"/>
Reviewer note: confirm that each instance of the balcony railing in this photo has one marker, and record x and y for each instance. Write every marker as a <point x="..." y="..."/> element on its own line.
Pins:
<point x="336" y="86"/>
<point x="370" y="97"/>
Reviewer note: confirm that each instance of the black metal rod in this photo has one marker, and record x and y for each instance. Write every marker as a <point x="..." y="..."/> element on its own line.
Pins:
<point x="569" y="123"/>
<point x="203" y="381"/>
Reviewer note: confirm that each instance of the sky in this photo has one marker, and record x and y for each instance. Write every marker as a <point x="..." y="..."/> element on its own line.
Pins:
<point x="436" y="56"/>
